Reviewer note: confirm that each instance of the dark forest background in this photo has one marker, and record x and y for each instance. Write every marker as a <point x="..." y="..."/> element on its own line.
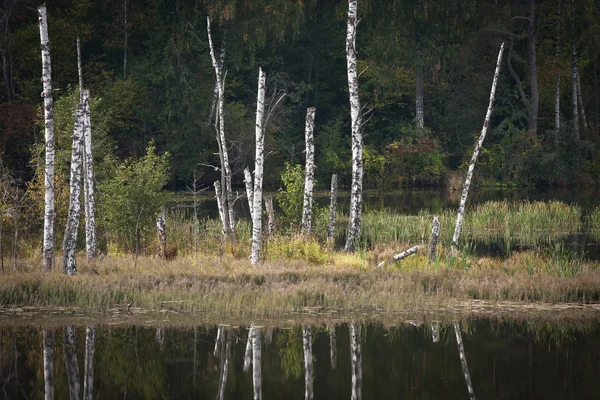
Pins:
<point x="165" y="91"/>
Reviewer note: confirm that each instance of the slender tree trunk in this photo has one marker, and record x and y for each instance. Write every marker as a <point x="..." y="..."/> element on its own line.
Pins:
<point x="580" y="102"/>
<point x="356" y="361"/>
<point x="70" y="354"/>
<point x="256" y="364"/>
<point x="48" y="350"/>
<point x="308" y="363"/>
<point x="357" y="140"/>
<point x="79" y="70"/>
<point x="465" y="192"/>
<point x="215" y="97"/>
<point x="126" y="39"/>
<point x="248" y="352"/>
<point x="70" y="237"/>
<point x="420" y="112"/>
<point x="332" y="347"/>
<point x="258" y="170"/>
<point x="91" y="245"/>
<point x="48" y="254"/>
<point x="225" y="365"/>
<point x="219" y="340"/>
<point x="433" y="240"/>
<point x="15" y="239"/>
<point x="533" y="81"/>
<point x="557" y="76"/>
<point x="332" y="209"/>
<point x="596" y="94"/>
<point x="402" y="256"/>
<point x="5" y="73"/>
<point x="463" y="360"/>
<point x="309" y="180"/>
<point x="249" y="189"/>
<point x="161" y="229"/>
<point x="224" y="216"/>
<point x="88" y="377"/>
<point x="271" y="223"/>
<point x="574" y="74"/>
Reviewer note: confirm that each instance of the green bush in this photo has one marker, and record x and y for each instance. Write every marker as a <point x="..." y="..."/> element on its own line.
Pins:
<point x="291" y="196"/>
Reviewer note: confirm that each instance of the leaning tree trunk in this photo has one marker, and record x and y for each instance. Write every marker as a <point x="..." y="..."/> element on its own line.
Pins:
<point x="533" y="81"/>
<point x="70" y="355"/>
<point x="161" y="229"/>
<point x="465" y="192"/>
<point x="463" y="360"/>
<point x="308" y="363"/>
<point x="309" y="179"/>
<point x="227" y="337"/>
<point x="48" y="253"/>
<point x="70" y="238"/>
<point x="91" y="245"/>
<point x="225" y="167"/>
<point x="48" y="350"/>
<point x="332" y="209"/>
<point x="256" y="364"/>
<point x="249" y="189"/>
<point x="356" y="361"/>
<point x="357" y="140"/>
<point x="88" y="379"/>
<point x="258" y="170"/>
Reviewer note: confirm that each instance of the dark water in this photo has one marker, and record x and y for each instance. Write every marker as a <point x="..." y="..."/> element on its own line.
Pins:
<point x="503" y="361"/>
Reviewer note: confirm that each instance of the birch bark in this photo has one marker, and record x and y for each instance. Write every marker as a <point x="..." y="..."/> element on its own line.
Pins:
<point x="463" y="360"/>
<point x="249" y="189"/>
<point x="88" y="374"/>
<point x="465" y="192"/>
<point x="332" y="208"/>
<point x="70" y="237"/>
<point x="271" y="223"/>
<point x="79" y="70"/>
<point x="258" y="169"/>
<point x="70" y="355"/>
<point x="256" y="364"/>
<point x="88" y="184"/>
<point x="48" y="252"/>
<point x="356" y="361"/>
<point x="224" y="216"/>
<point x="248" y="352"/>
<point x="161" y="229"/>
<point x="48" y="350"/>
<point x="357" y="140"/>
<point x="225" y="366"/>
<point x="309" y="179"/>
<point x="433" y="240"/>
<point x="308" y="363"/>
<point x="419" y="71"/>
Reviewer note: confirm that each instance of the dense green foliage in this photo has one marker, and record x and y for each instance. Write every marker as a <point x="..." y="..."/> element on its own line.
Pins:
<point x="166" y="91"/>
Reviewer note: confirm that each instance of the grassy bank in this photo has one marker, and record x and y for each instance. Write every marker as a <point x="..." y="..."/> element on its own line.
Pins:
<point x="229" y="286"/>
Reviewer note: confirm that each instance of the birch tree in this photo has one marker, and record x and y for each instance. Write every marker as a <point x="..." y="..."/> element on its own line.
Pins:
<point x="332" y="208"/>
<point x="48" y="247"/>
<point x="419" y="108"/>
<point x="88" y="374"/>
<point x="48" y="351"/>
<point x="70" y="237"/>
<point x="356" y="361"/>
<point x="256" y="364"/>
<point x="308" y="363"/>
<point x="91" y="245"/>
<point x="161" y="229"/>
<point x="465" y="192"/>
<point x="258" y="169"/>
<point x="249" y="189"/>
<point x="70" y="356"/>
<point x="357" y="140"/>
<point x="309" y="179"/>
<point x="463" y="360"/>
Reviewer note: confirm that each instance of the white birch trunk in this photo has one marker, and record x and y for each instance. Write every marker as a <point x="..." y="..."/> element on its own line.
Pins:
<point x="271" y="223"/>
<point x="249" y="190"/>
<point x="420" y="114"/>
<point x="580" y="102"/>
<point x="70" y="237"/>
<point x="403" y="255"/>
<point x="357" y="140"/>
<point x="332" y="347"/>
<point x="332" y="208"/>
<point x="218" y="341"/>
<point x="222" y="213"/>
<point x="256" y="364"/>
<point x="88" y="379"/>
<point x="88" y="184"/>
<point x="70" y="355"/>
<point x="308" y="363"/>
<point x="465" y="192"/>
<point x="48" y="350"/>
<point x="433" y="240"/>
<point x="309" y="179"/>
<point x="248" y="352"/>
<point x="356" y="361"/>
<point x="225" y="366"/>
<point x="463" y="360"/>
<point x="225" y="167"/>
<point x="79" y="70"/>
<point x="48" y="252"/>
<point x="258" y="169"/>
<point x="161" y="229"/>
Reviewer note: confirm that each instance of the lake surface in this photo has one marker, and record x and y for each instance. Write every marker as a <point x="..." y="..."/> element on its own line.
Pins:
<point x="504" y="360"/>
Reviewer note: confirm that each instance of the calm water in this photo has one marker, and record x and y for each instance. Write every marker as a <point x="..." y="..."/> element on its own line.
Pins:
<point x="503" y="361"/>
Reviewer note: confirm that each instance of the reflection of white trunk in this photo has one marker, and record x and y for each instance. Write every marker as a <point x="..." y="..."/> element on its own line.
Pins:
<point x="465" y="192"/>
<point x="308" y="363"/>
<point x="218" y="341"/>
<point x="48" y="349"/>
<point x="161" y="229"/>
<point x="70" y="237"/>
<point x="332" y="347"/>
<point x="433" y="240"/>
<point x="258" y="169"/>
<point x="256" y="364"/>
<point x="249" y="189"/>
<point x="248" y="352"/>
<point x="332" y="208"/>
<point x="356" y="361"/>
<point x="88" y="183"/>
<point x="309" y="179"/>
<point x="271" y="224"/>
<point x="435" y="332"/>
<point x="88" y="379"/>
<point x="70" y="354"/>
<point x="225" y="365"/>
<point x="357" y="140"/>
<point x="463" y="360"/>
<point x="48" y="253"/>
